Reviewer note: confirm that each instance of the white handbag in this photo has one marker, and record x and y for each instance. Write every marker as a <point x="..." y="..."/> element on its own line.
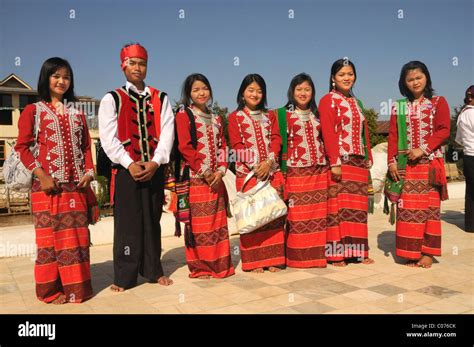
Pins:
<point x="17" y="176"/>
<point x="257" y="207"/>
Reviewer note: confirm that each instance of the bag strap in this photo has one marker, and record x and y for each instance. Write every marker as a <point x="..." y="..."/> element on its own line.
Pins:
<point x="402" y="133"/>
<point x="259" y="185"/>
<point x="192" y="124"/>
<point x="177" y="166"/>
<point x="247" y="179"/>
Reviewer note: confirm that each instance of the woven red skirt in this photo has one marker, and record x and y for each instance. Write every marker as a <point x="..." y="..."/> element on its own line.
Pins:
<point x="211" y="255"/>
<point x="306" y="188"/>
<point x="348" y="203"/>
<point x="266" y="246"/>
<point x="418" y="227"/>
<point x="62" y="237"/>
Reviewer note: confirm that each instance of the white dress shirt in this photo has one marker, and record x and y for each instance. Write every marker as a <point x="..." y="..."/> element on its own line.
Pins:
<point x="465" y="130"/>
<point x="108" y="130"/>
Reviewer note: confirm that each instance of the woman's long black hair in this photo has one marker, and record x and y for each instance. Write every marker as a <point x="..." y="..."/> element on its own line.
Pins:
<point x="249" y="79"/>
<point x="50" y="66"/>
<point x="412" y="65"/>
<point x="188" y="85"/>
<point x="297" y="80"/>
<point x="338" y="65"/>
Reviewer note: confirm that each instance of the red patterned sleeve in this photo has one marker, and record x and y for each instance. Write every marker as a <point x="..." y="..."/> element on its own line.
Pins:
<point x="236" y="142"/>
<point x="234" y="133"/>
<point x="26" y="137"/>
<point x="328" y="126"/>
<point x="185" y="146"/>
<point x="222" y="160"/>
<point x="392" y="150"/>
<point x="367" y="141"/>
<point x="441" y="124"/>
<point x="86" y="147"/>
<point x="275" y="138"/>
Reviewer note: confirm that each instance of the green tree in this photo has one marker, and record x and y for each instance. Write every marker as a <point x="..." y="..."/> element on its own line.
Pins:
<point x="223" y="112"/>
<point x="372" y="116"/>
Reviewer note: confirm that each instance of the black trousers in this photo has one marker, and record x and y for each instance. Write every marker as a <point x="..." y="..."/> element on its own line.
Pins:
<point x="469" y="199"/>
<point x="137" y="231"/>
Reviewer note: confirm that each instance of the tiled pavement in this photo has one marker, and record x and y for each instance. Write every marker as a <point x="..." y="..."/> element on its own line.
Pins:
<point x="384" y="287"/>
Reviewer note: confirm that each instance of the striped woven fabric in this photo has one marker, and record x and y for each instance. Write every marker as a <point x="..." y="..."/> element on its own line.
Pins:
<point x="62" y="238"/>
<point x="211" y="254"/>
<point x="418" y="227"/>
<point x="264" y="247"/>
<point x="347" y="232"/>
<point x="307" y="216"/>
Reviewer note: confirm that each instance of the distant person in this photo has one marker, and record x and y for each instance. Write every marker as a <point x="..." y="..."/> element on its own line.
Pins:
<point x="136" y="128"/>
<point x="427" y="122"/>
<point x="204" y="197"/>
<point x="465" y="137"/>
<point x="63" y="203"/>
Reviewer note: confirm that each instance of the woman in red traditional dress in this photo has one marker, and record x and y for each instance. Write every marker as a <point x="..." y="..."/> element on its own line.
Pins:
<point x="63" y="204"/>
<point x="306" y="178"/>
<point x="203" y="147"/>
<point x="427" y="119"/>
<point x="346" y="139"/>
<point x="256" y="142"/>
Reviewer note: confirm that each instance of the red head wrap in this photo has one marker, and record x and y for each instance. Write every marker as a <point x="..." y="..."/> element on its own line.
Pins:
<point x="132" y="51"/>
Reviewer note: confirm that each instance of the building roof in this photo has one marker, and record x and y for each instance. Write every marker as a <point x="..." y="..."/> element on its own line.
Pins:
<point x="383" y="127"/>
<point x="15" y="85"/>
<point x="12" y="82"/>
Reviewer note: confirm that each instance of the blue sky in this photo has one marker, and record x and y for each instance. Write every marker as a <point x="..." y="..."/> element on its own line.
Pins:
<point x="258" y="32"/>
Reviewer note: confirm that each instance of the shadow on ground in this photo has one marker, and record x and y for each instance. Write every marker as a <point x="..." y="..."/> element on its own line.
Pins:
<point x="453" y="217"/>
<point x="386" y="241"/>
<point x="172" y="260"/>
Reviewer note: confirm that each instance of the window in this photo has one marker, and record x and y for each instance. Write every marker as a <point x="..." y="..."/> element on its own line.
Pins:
<point x="23" y="101"/>
<point x="6" y="109"/>
<point x="6" y="117"/>
<point x="27" y="99"/>
<point x="5" y="100"/>
<point x="2" y="151"/>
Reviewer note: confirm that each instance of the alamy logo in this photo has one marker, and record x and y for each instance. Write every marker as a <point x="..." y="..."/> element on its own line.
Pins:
<point x="37" y="330"/>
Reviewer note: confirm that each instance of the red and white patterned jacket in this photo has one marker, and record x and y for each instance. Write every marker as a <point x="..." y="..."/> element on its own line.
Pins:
<point x="343" y="126"/>
<point x="428" y="126"/>
<point x="257" y="135"/>
<point x="305" y="147"/>
<point x="211" y="151"/>
<point x="64" y="142"/>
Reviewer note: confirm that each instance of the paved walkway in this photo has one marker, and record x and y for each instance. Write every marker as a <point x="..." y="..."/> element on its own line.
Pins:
<point x="384" y="287"/>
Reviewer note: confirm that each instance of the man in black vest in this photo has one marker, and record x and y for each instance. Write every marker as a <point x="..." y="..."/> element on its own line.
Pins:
<point x="136" y="127"/>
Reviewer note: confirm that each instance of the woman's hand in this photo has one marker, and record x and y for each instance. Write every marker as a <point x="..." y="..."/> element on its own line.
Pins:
<point x="217" y="180"/>
<point x="209" y="177"/>
<point x="85" y="182"/>
<point x="393" y="170"/>
<point x="336" y="173"/>
<point x="262" y="171"/>
<point x="414" y="154"/>
<point x="47" y="183"/>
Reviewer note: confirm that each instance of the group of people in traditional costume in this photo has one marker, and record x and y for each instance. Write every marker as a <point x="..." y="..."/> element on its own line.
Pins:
<point x="317" y="158"/>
